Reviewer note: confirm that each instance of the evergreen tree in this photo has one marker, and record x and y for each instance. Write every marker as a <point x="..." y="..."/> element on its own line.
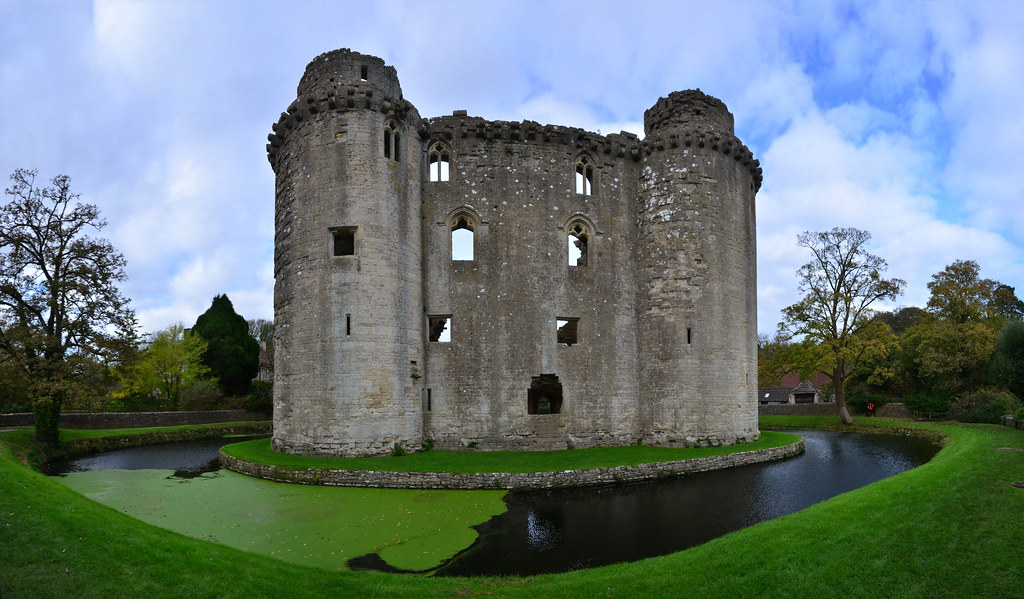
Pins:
<point x="232" y="355"/>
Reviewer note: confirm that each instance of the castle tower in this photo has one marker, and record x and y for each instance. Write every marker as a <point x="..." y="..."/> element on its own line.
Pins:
<point x="347" y="302"/>
<point x="696" y="262"/>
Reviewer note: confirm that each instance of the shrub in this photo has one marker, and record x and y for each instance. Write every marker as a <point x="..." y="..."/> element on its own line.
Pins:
<point x="260" y="398"/>
<point x="200" y="394"/>
<point x="984" y="406"/>
<point x="397" y="450"/>
<point x="927" y="403"/>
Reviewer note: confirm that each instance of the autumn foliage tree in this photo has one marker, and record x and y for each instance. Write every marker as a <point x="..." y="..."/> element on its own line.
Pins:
<point x="60" y="308"/>
<point x="170" y="361"/>
<point x="834" y="320"/>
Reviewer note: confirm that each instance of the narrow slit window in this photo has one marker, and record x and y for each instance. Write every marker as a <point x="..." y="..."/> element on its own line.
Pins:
<point x="567" y="331"/>
<point x="348" y="324"/>
<point x="689" y="335"/>
<point x="439" y="329"/>
<point x="584" y="176"/>
<point x="429" y="406"/>
<point x="462" y="239"/>
<point x="440" y="162"/>
<point x="398" y="146"/>
<point x="364" y="71"/>
<point x="344" y="239"/>
<point x="578" y="238"/>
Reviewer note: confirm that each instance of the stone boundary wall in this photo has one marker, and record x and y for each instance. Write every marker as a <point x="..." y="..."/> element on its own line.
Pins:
<point x="798" y="409"/>
<point x="135" y="419"/>
<point x="386" y="479"/>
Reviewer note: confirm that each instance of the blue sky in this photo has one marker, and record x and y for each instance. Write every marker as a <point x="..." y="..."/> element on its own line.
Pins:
<point x="901" y="118"/>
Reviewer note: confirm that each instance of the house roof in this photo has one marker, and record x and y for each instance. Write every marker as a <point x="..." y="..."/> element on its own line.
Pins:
<point x="773" y="395"/>
<point x="805" y="387"/>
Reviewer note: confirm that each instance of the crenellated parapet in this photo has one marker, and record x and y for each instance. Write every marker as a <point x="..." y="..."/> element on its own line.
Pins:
<point x="715" y="141"/>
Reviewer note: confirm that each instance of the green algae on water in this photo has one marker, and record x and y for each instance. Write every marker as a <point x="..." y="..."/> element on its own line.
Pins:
<point x="311" y="525"/>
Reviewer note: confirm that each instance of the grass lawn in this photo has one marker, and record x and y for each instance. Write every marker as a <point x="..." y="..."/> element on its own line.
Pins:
<point x="950" y="528"/>
<point x="500" y="461"/>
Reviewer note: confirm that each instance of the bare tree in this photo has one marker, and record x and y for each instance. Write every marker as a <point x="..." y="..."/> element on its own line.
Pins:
<point x="59" y="302"/>
<point x="834" y="318"/>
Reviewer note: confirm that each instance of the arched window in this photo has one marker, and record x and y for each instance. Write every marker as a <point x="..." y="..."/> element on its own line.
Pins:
<point x="440" y="162"/>
<point x="584" y="176"/>
<point x="462" y="229"/>
<point x="392" y="140"/>
<point x="578" y="238"/>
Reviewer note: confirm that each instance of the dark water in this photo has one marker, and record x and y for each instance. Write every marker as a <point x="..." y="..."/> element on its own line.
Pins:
<point x="186" y="458"/>
<point x="562" y="530"/>
<point x="558" y="531"/>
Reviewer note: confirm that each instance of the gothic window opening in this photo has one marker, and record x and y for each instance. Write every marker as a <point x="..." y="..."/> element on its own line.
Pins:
<point x="440" y="162"/>
<point x="567" y="331"/>
<point x="462" y="239"/>
<point x="544" y="395"/>
<point x="392" y="139"/>
<point x="578" y="238"/>
<point x="439" y="329"/>
<point x="344" y="241"/>
<point x="584" y="176"/>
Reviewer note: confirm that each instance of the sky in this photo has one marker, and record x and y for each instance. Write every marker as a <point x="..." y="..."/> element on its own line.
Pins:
<point x="900" y="118"/>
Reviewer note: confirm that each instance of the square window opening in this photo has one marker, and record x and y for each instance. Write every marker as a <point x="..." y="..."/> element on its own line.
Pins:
<point x="439" y="330"/>
<point x="344" y="241"/>
<point x="544" y="395"/>
<point x="568" y="329"/>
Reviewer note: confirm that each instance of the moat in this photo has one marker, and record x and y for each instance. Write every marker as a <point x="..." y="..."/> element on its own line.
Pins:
<point x="180" y="486"/>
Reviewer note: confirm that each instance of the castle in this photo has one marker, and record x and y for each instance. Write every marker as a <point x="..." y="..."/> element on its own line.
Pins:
<point x="459" y="282"/>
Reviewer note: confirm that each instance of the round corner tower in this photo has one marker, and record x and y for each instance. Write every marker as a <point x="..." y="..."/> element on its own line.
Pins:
<point x="697" y="270"/>
<point x="347" y="262"/>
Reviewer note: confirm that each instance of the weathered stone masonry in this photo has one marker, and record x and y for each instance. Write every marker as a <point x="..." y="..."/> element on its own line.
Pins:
<point x="392" y="479"/>
<point x="609" y="297"/>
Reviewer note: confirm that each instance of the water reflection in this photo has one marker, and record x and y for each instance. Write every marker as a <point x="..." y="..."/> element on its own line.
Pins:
<point x="557" y="531"/>
<point x="188" y="459"/>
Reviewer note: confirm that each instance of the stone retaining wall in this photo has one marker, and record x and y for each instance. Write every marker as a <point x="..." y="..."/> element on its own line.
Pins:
<point x="798" y="409"/>
<point x="505" y="480"/>
<point x="135" y="419"/>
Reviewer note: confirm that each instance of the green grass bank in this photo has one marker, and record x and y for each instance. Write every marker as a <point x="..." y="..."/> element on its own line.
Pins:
<point x="950" y="528"/>
<point x="258" y="450"/>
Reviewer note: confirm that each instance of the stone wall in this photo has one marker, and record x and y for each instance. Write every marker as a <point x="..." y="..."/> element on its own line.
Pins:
<point x="136" y="419"/>
<point x="504" y="480"/>
<point x="800" y="409"/>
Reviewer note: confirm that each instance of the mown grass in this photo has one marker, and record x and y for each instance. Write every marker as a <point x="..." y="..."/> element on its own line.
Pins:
<point x="259" y="451"/>
<point x="950" y="528"/>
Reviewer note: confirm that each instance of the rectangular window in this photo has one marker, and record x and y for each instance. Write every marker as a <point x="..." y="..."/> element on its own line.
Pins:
<point x="428" y="400"/>
<point x="439" y="329"/>
<point x="364" y="71"/>
<point x="689" y="335"/>
<point x="348" y="324"/>
<point x="344" y="241"/>
<point x="568" y="329"/>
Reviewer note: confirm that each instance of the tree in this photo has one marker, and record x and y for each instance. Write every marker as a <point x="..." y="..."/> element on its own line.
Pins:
<point x="959" y="294"/>
<point x="262" y="330"/>
<point x="834" y="317"/>
<point x="60" y="308"/>
<point x="1007" y="366"/>
<point x="1006" y="304"/>
<point x="172" y="360"/>
<point x="949" y="358"/>
<point x="231" y="353"/>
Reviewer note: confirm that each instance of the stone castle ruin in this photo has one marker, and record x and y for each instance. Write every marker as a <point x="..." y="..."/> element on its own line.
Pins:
<point x="462" y="282"/>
